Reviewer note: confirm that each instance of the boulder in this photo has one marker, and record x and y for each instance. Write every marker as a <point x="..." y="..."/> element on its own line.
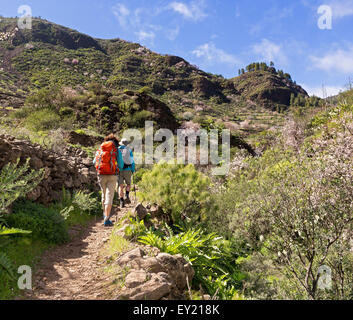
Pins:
<point x="177" y="267"/>
<point x="140" y="211"/>
<point x="154" y="276"/>
<point x="131" y="255"/>
<point x="135" y="278"/>
<point x="156" y="212"/>
<point x="154" y="289"/>
<point x="83" y="139"/>
<point x="150" y="264"/>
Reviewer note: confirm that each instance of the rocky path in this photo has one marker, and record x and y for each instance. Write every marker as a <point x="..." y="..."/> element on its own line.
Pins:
<point x="74" y="271"/>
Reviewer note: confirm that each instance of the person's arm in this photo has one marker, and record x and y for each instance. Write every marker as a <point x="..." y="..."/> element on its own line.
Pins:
<point x="95" y="157"/>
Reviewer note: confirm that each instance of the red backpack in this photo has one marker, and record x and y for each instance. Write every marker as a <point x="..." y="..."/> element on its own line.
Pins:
<point x="106" y="159"/>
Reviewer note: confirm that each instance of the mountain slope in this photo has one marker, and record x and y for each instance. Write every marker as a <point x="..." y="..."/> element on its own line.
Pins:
<point x="51" y="55"/>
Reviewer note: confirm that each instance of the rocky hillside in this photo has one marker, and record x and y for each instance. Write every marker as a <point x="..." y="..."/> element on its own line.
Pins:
<point x="267" y="88"/>
<point x="51" y="55"/>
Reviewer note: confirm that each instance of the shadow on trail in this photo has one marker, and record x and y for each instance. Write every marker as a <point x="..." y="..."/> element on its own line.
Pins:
<point x="73" y="271"/>
<point x="57" y="264"/>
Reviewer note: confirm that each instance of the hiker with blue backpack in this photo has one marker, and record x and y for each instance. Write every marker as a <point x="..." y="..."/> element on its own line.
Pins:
<point x="126" y="170"/>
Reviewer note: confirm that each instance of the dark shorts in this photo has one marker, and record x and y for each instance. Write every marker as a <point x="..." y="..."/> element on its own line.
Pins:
<point x="125" y="177"/>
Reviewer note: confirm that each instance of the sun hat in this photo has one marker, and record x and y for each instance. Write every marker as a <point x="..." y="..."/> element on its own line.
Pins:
<point x="124" y="142"/>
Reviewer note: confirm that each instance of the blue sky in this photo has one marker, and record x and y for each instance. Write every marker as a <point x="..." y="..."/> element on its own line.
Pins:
<point x="221" y="36"/>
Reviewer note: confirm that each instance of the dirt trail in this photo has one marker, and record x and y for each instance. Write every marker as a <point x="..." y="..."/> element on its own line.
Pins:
<point x="74" y="271"/>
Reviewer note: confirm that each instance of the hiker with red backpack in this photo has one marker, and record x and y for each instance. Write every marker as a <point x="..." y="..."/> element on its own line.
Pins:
<point x="107" y="162"/>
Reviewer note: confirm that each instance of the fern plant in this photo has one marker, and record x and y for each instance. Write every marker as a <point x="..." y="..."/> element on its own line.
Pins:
<point x="7" y="265"/>
<point x="210" y="256"/>
<point x="135" y="229"/>
<point x="77" y="203"/>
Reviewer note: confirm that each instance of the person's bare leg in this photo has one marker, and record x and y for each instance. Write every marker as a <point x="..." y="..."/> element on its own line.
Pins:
<point x="108" y="209"/>
<point x="121" y="191"/>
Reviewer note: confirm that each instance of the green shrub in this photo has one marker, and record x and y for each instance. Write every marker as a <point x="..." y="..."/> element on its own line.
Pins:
<point x="17" y="251"/>
<point x="16" y="181"/>
<point x="45" y="223"/>
<point x="22" y="113"/>
<point x="77" y="208"/>
<point x="105" y="109"/>
<point x="6" y="264"/>
<point x="66" y="111"/>
<point x="135" y="229"/>
<point x="80" y="131"/>
<point x="180" y="190"/>
<point x="139" y="174"/>
<point x="42" y="120"/>
<point x="137" y="119"/>
<point x="145" y="90"/>
<point x="295" y="209"/>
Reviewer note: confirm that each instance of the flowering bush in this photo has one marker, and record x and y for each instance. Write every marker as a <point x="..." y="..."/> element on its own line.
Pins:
<point x="296" y="207"/>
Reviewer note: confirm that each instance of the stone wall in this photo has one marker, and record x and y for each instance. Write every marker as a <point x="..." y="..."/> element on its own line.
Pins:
<point x="71" y="170"/>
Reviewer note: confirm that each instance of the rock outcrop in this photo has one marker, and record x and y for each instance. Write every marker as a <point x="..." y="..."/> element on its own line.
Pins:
<point x="154" y="276"/>
<point x="71" y="171"/>
<point x="266" y="88"/>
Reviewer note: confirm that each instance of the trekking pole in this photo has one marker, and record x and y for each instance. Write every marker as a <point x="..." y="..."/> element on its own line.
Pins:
<point x="116" y="206"/>
<point x="133" y="180"/>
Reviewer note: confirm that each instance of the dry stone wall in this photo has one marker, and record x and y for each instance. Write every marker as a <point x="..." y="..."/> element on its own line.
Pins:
<point x="71" y="170"/>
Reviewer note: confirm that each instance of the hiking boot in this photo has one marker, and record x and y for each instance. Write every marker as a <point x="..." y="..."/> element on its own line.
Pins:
<point x="127" y="200"/>
<point x="122" y="203"/>
<point x="108" y="223"/>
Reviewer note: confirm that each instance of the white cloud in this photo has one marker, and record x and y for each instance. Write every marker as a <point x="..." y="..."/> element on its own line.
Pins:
<point x="270" y="51"/>
<point x="145" y="35"/>
<point x="194" y="11"/>
<point x="323" y="91"/>
<point x="122" y="13"/>
<point x="213" y="55"/>
<point x="136" y="21"/>
<point x="237" y="12"/>
<point x="341" y="8"/>
<point x="336" y="61"/>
